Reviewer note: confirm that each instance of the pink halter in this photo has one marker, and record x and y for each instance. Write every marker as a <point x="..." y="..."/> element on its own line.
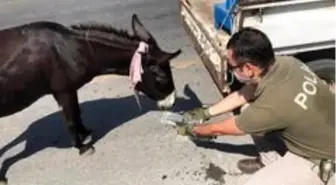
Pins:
<point x="136" y="64"/>
<point x="136" y="69"/>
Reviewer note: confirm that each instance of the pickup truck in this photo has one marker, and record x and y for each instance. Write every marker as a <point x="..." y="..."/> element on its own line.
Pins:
<point x="301" y="28"/>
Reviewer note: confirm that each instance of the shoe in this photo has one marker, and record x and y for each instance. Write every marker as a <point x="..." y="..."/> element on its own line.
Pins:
<point x="250" y="166"/>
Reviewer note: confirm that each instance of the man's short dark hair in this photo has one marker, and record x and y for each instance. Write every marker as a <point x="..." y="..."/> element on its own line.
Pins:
<point x="253" y="46"/>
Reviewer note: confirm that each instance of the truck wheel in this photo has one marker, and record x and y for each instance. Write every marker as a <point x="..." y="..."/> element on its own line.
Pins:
<point x="325" y="69"/>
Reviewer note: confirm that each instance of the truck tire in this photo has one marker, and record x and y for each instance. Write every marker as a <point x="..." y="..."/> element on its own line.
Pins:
<point x="325" y="69"/>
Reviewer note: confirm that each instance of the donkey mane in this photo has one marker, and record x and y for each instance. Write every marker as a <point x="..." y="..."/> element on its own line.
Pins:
<point x="105" y="28"/>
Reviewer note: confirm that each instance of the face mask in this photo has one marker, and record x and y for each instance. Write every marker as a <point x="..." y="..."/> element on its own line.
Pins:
<point x="243" y="79"/>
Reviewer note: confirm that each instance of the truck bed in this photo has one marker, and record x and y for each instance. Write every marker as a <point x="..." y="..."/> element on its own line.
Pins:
<point x="293" y="26"/>
<point x="197" y="20"/>
<point x="313" y="15"/>
<point x="202" y="12"/>
<point x="252" y="2"/>
<point x="204" y="7"/>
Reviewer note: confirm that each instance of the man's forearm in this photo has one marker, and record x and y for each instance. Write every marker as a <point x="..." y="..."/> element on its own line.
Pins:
<point x="226" y="127"/>
<point x="229" y="103"/>
<point x="232" y="101"/>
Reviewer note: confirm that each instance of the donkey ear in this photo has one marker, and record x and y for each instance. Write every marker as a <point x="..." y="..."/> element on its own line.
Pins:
<point x="139" y="30"/>
<point x="166" y="57"/>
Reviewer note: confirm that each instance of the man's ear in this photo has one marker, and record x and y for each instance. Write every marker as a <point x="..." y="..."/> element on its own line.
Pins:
<point x="139" y="30"/>
<point x="250" y="68"/>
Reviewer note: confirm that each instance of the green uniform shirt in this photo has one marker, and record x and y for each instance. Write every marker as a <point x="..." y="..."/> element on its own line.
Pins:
<point x="292" y="99"/>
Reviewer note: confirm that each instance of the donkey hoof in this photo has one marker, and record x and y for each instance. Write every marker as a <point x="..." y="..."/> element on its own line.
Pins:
<point x="87" y="139"/>
<point x="86" y="151"/>
<point x="3" y="181"/>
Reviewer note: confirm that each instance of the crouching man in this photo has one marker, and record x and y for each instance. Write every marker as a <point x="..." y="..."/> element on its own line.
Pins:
<point x="282" y="98"/>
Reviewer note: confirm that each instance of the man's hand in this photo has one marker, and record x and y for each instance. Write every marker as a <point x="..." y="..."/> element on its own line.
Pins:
<point x="210" y="130"/>
<point x="199" y="114"/>
<point x="187" y="130"/>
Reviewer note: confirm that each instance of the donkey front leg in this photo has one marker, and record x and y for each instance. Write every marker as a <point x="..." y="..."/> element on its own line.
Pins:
<point x="71" y="112"/>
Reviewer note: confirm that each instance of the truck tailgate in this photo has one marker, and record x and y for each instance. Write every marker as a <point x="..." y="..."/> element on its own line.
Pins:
<point x="295" y="26"/>
<point x="197" y="20"/>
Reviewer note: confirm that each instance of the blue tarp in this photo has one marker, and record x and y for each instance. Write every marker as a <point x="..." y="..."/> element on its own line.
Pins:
<point x="223" y="14"/>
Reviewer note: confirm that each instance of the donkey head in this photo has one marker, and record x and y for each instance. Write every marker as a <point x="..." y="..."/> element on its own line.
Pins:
<point x="157" y="80"/>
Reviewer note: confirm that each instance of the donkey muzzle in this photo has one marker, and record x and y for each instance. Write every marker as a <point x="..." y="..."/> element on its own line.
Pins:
<point x="167" y="102"/>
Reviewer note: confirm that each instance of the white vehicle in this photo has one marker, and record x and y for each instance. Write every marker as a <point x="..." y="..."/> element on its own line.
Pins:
<point x="301" y="28"/>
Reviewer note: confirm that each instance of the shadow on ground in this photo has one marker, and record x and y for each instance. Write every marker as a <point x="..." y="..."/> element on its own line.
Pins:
<point x="245" y="149"/>
<point x="272" y="138"/>
<point x="100" y="116"/>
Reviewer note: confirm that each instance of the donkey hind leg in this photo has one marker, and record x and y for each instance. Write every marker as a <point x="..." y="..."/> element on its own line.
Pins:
<point x="9" y="162"/>
<point x="71" y="113"/>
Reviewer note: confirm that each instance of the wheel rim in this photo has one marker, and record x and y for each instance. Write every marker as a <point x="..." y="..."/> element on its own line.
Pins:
<point x="332" y="87"/>
<point x="331" y="84"/>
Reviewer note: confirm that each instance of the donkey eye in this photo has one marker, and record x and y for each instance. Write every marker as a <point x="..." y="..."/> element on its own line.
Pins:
<point x="161" y="79"/>
<point x="160" y="76"/>
<point x="157" y="71"/>
<point x="154" y="69"/>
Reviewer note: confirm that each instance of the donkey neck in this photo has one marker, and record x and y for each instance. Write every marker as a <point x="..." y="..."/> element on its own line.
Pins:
<point x="110" y="53"/>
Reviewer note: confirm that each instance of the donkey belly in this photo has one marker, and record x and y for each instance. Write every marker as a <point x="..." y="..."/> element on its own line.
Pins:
<point x="18" y="100"/>
<point x="15" y="104"/>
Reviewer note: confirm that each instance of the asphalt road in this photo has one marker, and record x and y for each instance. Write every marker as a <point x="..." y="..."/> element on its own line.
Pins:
<point x="133" y="147"/>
